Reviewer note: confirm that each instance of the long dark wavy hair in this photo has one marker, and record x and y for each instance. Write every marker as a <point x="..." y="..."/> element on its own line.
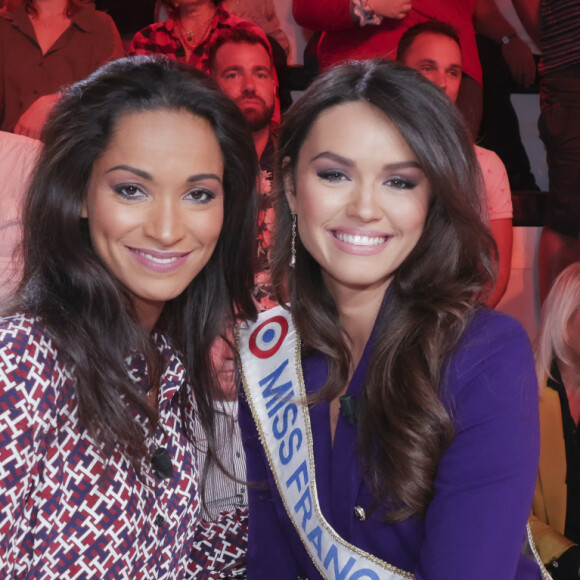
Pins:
<point x="403" y="427"/>
<point x="84" y="308"/>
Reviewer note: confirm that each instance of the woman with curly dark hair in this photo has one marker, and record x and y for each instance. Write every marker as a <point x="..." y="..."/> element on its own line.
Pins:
<point x="397" y="419"/>
<point x="138" y="240"/>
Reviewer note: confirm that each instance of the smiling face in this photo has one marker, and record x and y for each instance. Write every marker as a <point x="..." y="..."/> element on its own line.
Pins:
<point x="155" y="205"/>
<point x="438" y="58"/>
<point x="360" y="196"/>
<point x="244" y="73"/>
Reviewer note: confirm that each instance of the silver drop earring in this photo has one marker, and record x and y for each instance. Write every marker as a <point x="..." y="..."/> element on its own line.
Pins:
<point x="293" y="246"/>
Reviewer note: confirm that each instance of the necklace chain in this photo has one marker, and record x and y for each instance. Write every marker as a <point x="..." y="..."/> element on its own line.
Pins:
<point x="190" y="34"/>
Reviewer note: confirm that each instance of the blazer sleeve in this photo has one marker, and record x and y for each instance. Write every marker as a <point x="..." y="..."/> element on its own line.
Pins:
<point x="476" y="522"/>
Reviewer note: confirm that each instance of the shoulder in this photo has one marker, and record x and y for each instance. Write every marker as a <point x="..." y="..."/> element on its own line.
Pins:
<point x="18" y="327"/>
<point x="153" y="32"/>
<point x="491" y="333"/>
<point x="495" y="354"/>
<point x="25" y="346"/>
<point x="22" y="337"/>
<point x="92" y="20"/>
<point x="18" y="149"/>
<point x="29" y="361"/>
<point x="226" y="19"/>
<point x="164" y="27"/>
<point x="489" y="161"/>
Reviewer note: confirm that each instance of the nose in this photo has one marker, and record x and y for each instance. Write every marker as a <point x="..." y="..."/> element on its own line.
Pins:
<point x="440" y="79"/>
<point x="364" y="204"/>
<point x="164" y="223"/>
<point x="248" y="84"/>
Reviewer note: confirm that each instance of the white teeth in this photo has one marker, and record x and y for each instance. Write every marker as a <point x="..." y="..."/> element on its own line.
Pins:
<point x="360" y="240"/>
<point x="155" y="259"/>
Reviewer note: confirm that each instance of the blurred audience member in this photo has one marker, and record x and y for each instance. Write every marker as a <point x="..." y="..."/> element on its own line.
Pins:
<point x="560" y="131"/>
<point x="362" y="29"/>
<point x="18" y="156"/>
<point x="9" y="5"/>
<point x="556" y="509"/>
<point x="262" y="13"/>
<point x="241" y="63"/>
<point x="433" y="49"/>
<point x="44" y="46"/>
<point x="508" y="64"/>
<point x="188" y="33"/>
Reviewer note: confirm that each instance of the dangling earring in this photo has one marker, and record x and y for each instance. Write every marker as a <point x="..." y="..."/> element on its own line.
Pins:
<point x="293" y="243"/>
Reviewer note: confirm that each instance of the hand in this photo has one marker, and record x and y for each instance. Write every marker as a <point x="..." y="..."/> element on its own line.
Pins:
<point x="33" y="119"/>
<point x="520" y="61"/>
<point x="396" y="9"/>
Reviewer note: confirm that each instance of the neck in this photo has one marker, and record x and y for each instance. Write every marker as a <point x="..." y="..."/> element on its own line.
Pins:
<point x="570" y="373"/>
<point x="261" y="140"/>
<point x="49" y="8"/>
<point x="148" y="312"/>
<point x="198" y="14"/>
<point x="357" y="311"/>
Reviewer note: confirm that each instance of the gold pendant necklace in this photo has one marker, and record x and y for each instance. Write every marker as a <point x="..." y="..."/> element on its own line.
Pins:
<point x="190" y="34"/>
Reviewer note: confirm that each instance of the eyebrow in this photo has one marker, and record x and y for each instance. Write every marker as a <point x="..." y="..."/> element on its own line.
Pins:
<point x="351" y="163"/>
<point x="149" y="177"/>
<point x="239" y="68"/>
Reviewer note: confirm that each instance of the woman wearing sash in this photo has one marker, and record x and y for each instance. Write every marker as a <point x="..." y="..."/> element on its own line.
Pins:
<point x="417" y="452"/>
<point x="138" y="235"/>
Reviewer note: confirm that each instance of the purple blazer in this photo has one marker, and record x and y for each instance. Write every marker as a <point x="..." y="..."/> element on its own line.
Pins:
<point x="475" y="525"/>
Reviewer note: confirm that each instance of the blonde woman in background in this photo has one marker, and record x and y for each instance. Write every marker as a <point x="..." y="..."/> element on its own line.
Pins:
<point x="556" y="508"/>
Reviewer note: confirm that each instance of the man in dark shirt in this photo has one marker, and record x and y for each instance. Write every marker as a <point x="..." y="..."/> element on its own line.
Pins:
<point x="241" y="63"/>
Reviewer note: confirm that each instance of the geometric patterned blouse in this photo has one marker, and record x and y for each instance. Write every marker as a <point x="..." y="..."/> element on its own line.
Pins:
<point x="62" y="514"/>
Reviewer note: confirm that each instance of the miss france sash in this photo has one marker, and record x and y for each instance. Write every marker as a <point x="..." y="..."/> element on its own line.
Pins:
<point x="272" y="377"/>
<point x="274" y="386"/>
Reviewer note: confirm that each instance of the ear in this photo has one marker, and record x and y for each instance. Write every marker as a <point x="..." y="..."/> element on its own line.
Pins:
<point x="84" y="211"/>
<point x="288" y="180"/>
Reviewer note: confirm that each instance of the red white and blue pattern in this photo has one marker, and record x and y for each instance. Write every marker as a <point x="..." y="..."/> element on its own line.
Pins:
<point x="62" y="515"/>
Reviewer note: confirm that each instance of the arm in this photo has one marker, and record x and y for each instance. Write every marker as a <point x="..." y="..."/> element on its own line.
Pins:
<point x="548" y="518"/>
<point x="26" y="393"/>
<point x="528" y="12"/>
<point x="554" y="546"/>
<point x="475" y="524"/>
<point x="489" y="22"/>
<point x="33" y="119"/>
<point x="502" y="233"/>
<point x="339" y="14"/>
<point x="500" y="212"/>
<point x="141" y="43"/>
<point x="323" y="14"/>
